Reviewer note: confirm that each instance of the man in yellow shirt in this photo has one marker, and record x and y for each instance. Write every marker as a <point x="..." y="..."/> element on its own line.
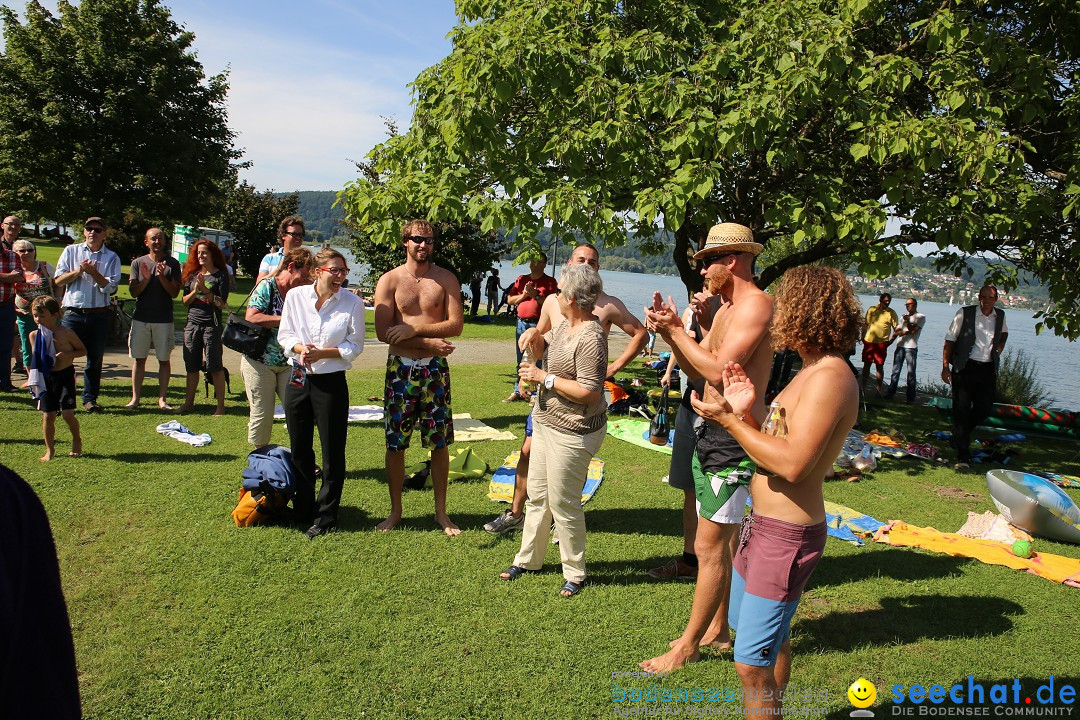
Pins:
<point x="881" y="320"/>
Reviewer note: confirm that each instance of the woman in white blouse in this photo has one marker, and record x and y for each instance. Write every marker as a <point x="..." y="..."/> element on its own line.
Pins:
<point x="321" y="332"/>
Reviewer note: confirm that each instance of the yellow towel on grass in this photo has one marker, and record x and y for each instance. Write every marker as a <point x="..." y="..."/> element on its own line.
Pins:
<point x="1052" y="567"/>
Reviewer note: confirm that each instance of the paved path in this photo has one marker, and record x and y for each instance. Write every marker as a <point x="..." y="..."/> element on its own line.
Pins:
<point x="117" y="364"/>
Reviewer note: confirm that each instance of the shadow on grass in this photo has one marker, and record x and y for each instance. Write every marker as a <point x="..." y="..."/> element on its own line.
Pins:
<point x="644" y="521"/>
<point x="22" y="441"/>
<point x="907" y="620"/>
<point x="885" y="563"/>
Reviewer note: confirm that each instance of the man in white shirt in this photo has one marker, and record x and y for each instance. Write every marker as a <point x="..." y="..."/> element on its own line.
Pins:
<point x="907" y="348"/>
<point x="291" y="232"/>
<point x="973" y="346"/>
<point x="90" y="273"/>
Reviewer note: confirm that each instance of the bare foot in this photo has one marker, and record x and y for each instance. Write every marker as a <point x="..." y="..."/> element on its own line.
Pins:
<point x="163" y="405"/>
<point x="46" y="457"/>
<point x="717" y="644"/>
<point x="389" y="523"/>
<point x="220" y="412"/>
<point x="671" y="660"/>
<point x="183" y="409"/>
<point x="76" y="448"/>
<point x="448" y="526"/>
<point x="719" y="638"/>
<point x="133" y="404"/>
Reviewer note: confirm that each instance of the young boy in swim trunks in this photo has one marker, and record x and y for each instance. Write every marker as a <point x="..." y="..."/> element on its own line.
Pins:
<point x="783" y="538"/>
<point x="59" y="393"/>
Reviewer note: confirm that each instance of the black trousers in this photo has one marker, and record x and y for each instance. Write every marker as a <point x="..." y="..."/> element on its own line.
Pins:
<point x="322" y="402"/>
<point x="973" y="401"/>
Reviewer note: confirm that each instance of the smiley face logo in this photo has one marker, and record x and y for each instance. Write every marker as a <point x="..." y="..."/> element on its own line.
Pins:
<point x="862" y="693"/>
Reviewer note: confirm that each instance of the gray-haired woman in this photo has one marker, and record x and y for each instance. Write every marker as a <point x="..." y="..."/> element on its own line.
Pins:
<point x="569" y="424"/>
<point x="37" y="282"/>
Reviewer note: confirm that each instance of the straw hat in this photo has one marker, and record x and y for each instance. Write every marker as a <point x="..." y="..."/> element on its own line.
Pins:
<point x="729" y="238"/>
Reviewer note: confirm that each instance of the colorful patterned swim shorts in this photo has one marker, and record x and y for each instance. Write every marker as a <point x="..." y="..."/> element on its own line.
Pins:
<point x="417" y="390"/>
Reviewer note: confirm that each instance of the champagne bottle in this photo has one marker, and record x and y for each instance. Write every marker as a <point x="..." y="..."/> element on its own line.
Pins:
<point x="527" y="386"/>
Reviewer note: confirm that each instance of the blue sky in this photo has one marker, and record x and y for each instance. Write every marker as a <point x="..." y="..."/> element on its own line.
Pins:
<point x="309" y="81"/>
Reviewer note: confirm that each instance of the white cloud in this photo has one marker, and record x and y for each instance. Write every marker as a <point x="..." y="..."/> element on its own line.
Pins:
<point x="302" y="113"/>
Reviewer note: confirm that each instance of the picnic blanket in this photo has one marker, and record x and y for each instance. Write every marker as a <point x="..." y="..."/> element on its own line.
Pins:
<point x="844" y="523"/>
<point x="1057" y="568"/>
<point x="636" y="431"/>
<point x="501" y="488"/>
<point x="179" y="432"/>
<point x="468" y="429"/>
<point x="1065" y="481"/>
<point x="357" y="413"/>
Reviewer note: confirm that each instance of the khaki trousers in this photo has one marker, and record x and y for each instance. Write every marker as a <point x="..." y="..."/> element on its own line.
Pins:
<point x="557" y="469"/>
<point x="262" y="381"/>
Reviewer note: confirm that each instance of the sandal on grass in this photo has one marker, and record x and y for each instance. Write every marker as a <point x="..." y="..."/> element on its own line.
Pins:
<point x="513" y="572"/>
<point x="571" y="588"/>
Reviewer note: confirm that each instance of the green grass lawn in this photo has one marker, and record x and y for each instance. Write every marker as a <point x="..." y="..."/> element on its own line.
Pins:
<point x="178" y="614"/>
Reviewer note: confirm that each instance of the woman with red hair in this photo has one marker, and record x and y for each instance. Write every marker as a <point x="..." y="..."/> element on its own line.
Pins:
<point x="206" y="290"/>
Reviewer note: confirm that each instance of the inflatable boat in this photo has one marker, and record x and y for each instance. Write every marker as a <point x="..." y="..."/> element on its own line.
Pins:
<point x="1034" y="504"/>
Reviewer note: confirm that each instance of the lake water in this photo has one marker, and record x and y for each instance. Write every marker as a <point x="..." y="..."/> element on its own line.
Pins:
<point x="1052" y="356"/>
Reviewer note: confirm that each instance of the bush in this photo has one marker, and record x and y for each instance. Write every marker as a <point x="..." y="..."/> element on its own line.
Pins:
<point x="1017" y="383"/>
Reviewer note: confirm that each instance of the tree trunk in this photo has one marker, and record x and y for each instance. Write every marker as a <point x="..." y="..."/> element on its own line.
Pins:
<point x="687" y="239"/>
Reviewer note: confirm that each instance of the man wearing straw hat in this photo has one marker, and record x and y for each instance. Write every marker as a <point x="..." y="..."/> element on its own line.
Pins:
<point x="720" y="470"/>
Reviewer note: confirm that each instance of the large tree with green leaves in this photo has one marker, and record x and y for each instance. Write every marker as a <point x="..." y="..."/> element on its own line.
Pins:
<point x="811" y="121"/>
<point x="253" y="218"/>
<point x="107" y="111"/>
<point x="463" y="246"/>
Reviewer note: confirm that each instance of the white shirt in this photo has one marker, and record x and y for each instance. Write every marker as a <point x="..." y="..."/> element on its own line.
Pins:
<point x="984" y="333"/>
<point x="915" y="323"/>
<point x="339" y="323"/>
<point x="83" y="291"/>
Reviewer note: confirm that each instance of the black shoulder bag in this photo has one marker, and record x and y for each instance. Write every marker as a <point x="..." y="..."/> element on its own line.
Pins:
<point x="245" y="337"/>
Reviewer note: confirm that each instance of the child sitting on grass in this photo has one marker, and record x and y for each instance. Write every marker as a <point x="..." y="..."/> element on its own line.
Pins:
<point x="53" y="374"/>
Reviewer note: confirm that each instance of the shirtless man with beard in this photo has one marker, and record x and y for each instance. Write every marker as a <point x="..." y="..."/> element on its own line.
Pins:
<point x="739" y="332"/>
<point x="418" y="306"/>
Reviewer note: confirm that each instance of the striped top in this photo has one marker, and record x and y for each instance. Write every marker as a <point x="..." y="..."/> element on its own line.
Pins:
<point x="581" y="357"/>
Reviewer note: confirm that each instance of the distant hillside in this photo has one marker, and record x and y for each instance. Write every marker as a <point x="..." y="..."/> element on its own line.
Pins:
<point x="320" y="216"/>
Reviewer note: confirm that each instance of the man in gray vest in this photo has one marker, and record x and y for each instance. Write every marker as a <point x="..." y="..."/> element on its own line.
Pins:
<point x="973" y="347"/>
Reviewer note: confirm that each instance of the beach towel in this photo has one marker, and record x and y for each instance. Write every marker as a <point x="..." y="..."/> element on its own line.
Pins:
<point x="469" y="429"/>
<point x="501" y="487"/>
<point x="636" y="432"/>
<point x="357" y="413"/>
<point x="179" y="432"/>
<point x="41" y="361"/>
<point x="1065" y="481"/>
<point x="1052" y="567"/>
<point x="844" y="523"/>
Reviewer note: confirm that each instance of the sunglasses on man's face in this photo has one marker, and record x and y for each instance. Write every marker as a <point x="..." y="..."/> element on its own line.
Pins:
<point x="706" y="262"/>
<point x="94" y="229"/>
<point x="422" y="239"/>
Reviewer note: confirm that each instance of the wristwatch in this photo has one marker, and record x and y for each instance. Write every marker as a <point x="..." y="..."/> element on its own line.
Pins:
<point x="549" y="381"/>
